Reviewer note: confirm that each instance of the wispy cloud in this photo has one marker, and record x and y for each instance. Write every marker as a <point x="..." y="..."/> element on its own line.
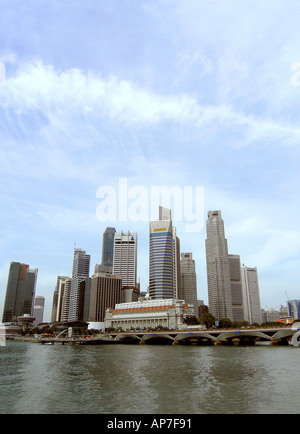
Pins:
<point x="52" y="98"/>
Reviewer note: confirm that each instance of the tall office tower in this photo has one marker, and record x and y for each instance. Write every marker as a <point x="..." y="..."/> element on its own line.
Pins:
<point x="125" y="257"/>
<point x="164" y="257"/>
<point x="188" y="280"/>
<point x="164" y="213"/>
<point x="84" y="299"/>
<point x="81" y="270"/>
<point x="55" y="301"/>
<point x="236" y="288"/>
<point x="63" y="289"/>
<point x="54" y="305"/>
<point x="38" y="310"/>
<point x="108" y="248"/>
<point x="20" y="291"/>
<point x="250" y="287"/>
<point x="176" y="266"/>
<point x="105" y="292"/>
<point x="217" y="263"/>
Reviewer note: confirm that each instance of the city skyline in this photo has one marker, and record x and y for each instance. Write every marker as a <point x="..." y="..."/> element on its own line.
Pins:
<point x="233" y="290"/>
<point x="160" y="94"/>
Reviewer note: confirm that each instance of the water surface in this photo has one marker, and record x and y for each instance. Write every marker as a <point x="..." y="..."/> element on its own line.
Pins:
<point x="142" y="379"/>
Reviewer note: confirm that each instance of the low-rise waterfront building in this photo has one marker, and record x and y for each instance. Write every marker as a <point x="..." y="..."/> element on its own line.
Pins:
<point x="148" y="313"/>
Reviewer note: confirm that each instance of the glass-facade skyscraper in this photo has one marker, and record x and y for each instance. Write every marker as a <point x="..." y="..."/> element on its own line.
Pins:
<point x="20" y="291"/>
<point x="294" y="308"/>
<point x="164" y="260"/>
<point x="218" y="271"/>
<point x="81" y="270"/>
<point x="108" y="247"/>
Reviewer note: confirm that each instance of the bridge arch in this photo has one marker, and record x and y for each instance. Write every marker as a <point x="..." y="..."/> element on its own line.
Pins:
<point x="243" y="336"/>
<point x="157" y="338"/>
<point x="196" y="338"/>
<point x="129" y="338"/>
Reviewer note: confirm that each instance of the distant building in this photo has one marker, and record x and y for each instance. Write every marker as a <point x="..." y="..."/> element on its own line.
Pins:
<point x="202" y="308"/>
<point x="270" y="315"/>
<point x="20" y="292"/>
<point x="108" y="248"/>
<point x="81" y="270"/>
<point x="188" y="280"/>
<point x="238" y="313"/>
<point x="125" y="257"/>
<point x="130" y="293"/>
<point x="294" y="308"/>
<point x="63" y="292"/>
<point x="252" y="307"/>
<point x="105" y="292"/>
<point x="84" y="299"/>
<point x="38" y="310"/>
<point x="164" y="257"/>
<point x="218" y="271"/>
<point x="100" y="268"/>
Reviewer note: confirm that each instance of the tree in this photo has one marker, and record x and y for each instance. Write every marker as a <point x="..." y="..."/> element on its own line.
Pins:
<point x="208" y="320"/>
<point x="225" y="323"/>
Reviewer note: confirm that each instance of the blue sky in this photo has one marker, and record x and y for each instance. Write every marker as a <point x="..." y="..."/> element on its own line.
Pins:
<point x="171" y="92"/>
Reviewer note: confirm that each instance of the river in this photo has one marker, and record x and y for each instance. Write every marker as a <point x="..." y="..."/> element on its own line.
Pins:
<point x="148" y="379"/>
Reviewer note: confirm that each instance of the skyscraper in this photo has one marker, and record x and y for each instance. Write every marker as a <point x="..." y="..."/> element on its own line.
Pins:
<point x="105" y="292"/>
<point x="81" y="270"/>
<point x="108" y="248"/>
<point x="38" y="310"/>
<point x="125" y="257"/>
<point x="294" y="308"/>
<point x="218" y="273"/>
<point x="252" y="307"/>
<point x="61" y="299"/>
<point x="176" y="266"/>
<point x="236" y="288"/>
<point x="188" y="280"/>
<point x="164" y="257"/>
<point x="20" y="291"/>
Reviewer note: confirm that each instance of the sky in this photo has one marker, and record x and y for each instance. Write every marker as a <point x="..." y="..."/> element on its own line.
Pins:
<point x="190" y="94"/>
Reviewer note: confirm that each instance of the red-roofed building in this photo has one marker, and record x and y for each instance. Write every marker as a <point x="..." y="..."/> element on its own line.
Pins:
<point x="148" y="313"/>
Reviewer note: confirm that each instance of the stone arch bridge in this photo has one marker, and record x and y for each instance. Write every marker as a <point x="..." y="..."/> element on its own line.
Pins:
<point x="280" y="336"/>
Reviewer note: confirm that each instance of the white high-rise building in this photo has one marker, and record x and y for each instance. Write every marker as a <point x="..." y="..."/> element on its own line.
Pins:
<point x="81" y="270"/>
<point x="125" y="257"/>
<point x="63" y="288"/>
<point x="250" y="287"/>
<point x="218" y="272"/>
